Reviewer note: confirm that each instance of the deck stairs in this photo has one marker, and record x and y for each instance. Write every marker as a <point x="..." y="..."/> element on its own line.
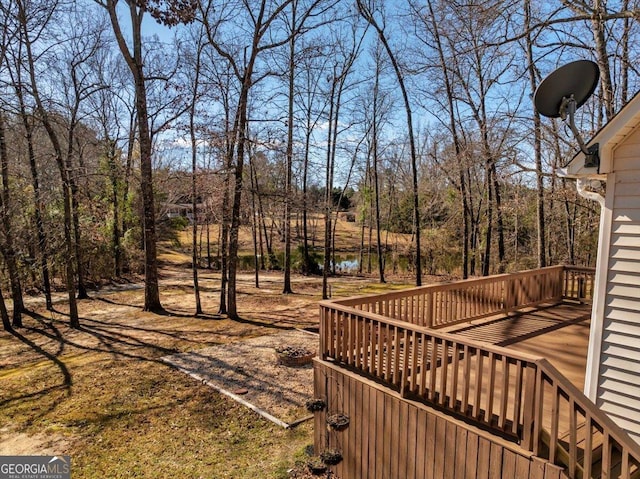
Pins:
<point x="597" y="465"/>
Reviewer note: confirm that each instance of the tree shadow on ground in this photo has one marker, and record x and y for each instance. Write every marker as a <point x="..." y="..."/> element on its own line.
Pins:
<point x="110" y="342"/>
<point x="64" y="387"/>
<point x="53" y="357"/>
<point x="253" y="322"/>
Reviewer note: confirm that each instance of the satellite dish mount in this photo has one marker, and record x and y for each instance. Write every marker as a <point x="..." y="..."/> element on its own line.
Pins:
<point x="565" y="90"/>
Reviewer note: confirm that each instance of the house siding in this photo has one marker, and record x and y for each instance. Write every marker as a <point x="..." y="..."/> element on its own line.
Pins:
<point x="618" y="389"/>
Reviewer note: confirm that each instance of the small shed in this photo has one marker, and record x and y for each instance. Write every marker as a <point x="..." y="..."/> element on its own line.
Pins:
<point x="612" y="377"/>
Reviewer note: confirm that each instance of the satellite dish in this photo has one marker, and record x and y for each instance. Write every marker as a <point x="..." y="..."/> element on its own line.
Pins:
<point x="565" y="90"/>
<point x="576" y="79"/>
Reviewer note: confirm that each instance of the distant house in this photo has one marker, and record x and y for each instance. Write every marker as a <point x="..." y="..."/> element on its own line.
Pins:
<point x="175" y="210"/>
<point x="181" y="206"/>
<point x="612" y="378"/>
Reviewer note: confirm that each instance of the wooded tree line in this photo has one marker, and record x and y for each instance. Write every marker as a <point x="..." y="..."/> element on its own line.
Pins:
<point x="267" y="115"/>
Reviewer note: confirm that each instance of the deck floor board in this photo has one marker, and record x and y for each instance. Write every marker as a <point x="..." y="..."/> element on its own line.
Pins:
<point x="559" y="333"/>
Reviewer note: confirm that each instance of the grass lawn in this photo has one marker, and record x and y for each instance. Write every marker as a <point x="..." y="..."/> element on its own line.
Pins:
<point x="102" y="395"/>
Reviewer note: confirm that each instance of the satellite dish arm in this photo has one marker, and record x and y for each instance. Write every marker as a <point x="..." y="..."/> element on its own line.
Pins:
<point x="568" y="109"/>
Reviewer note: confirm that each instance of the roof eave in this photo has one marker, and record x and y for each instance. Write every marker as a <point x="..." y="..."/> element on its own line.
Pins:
<point x="608" y="137"/>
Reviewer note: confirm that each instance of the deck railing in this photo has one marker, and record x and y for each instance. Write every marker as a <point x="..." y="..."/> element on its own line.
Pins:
<point x="516" y="395"/>
<point x="578" y="283"/>
<point x="441" y="305"/>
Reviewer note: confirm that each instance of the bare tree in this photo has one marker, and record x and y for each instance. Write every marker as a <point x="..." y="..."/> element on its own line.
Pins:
<point x="286" y="289"/>
<point x="28" y="120"/>
<point x="168" y="12"/>
<point x="110" y="110"/>
<point x="27" y="33"/>
<point x="345" y="57"/>
<point x="430" y="22"/>
<point x="195" y="93"/>
<point x="8" y="251"/>
<point x="537" y="140"/>
<point x="76" y="74"/>
<point x="367" y="11"/>
<point x="376" y="115"/>
<point x="243" y="58"/>
<point x="313" y="104"/>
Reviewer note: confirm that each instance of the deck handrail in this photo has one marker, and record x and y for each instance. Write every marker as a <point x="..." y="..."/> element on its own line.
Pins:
<point x="597" y="427"/>
<point x="446" y="304"/>
<point x="517" y="395"/>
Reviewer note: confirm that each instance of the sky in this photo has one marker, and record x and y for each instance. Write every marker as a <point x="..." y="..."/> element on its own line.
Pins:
<point x="150" y="26"/>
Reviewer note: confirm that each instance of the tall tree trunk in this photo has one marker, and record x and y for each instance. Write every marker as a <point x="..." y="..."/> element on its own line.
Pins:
<point x="35" y="183"/>
<point x="232" y="311"/>
<point x="374" y="145"/>
<point x="370" y="238"/>
<point x="133" y="128"/>
<point x="262" y="223"/>
<point x="223" y="248"/>
<point x="135" y="62"/>
<point x="537" y="143"/>
<point x="365" y="204"/>
<point x="488" y="237"/>
<point x="255" y="227"/>
<point x="599" y="37"/>
<point x="499" y="219"/>
<point x="224" y="238"/>
<point x="462" y="174"/>
<point x="151" y="290"/>
<point x="367" y="14"/>
<point x="194" y="186"/>
<point x="8" y="249"/>
<point x="74" y="320"/>
<point x="208" y="224"/>
<point x="73" y="186"/>
<point x="327" y="195"/>
<point x="306" y="261"/>
<point x="116" y="244"/>
<point x="255" y="223"/>
<point x="625" y="64"/>
<point x="289" y="154"/>
<point x="474" y="237"/>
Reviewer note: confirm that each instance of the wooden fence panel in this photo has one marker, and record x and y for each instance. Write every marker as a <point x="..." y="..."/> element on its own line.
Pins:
<point x="392" y="438"/>
<point x="501" y="390"/>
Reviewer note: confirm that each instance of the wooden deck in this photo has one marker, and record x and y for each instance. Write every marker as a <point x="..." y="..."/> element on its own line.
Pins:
<point x="557" y="332"/>
<point x="499" y="360"/>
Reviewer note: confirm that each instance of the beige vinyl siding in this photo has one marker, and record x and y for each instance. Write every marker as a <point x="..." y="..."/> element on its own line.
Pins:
<point x="619" y="374"/>
<point x="625" y="253"/>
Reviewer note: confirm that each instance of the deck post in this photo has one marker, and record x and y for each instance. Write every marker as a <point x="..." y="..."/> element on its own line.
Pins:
<point x="429" y="309"/>
<point x="529" y="406"/>
<point x="322" y="331"/>
<point x="509" y="294"/>
<point x="559" y="291"/>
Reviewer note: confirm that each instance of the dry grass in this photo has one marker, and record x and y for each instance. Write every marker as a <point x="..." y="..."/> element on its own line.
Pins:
<point x="101" y="394"/>
<point x="347" y="238"/>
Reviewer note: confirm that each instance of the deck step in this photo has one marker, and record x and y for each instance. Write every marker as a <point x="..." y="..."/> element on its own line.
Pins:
<point x="563" y="456"/>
